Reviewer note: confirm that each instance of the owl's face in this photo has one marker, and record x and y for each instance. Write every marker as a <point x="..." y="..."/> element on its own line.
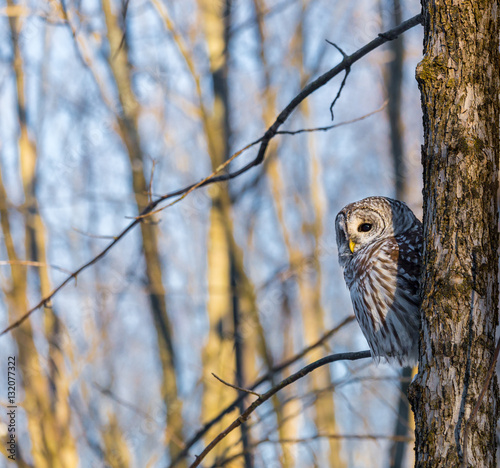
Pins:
<point x="361" y="223"/>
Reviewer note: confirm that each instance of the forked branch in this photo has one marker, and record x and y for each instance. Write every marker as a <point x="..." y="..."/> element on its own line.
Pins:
<point x="265" y="396"/>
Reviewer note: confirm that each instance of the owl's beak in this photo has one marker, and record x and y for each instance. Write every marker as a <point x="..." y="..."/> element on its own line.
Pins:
<point x="351" y="245"/>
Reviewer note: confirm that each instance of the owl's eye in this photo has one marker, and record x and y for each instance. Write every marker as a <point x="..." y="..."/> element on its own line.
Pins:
<point x="365" y="227"/>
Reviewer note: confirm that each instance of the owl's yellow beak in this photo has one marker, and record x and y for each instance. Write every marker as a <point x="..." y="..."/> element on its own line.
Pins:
<point x="352" y="245"/>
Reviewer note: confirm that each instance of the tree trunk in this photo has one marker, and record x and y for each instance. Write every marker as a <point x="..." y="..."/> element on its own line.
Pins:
<point x="394" y="87"/>
<point x="46" y="396"/>
<point x="229" y="300"/>
<point x="128" y="127"/>
<point x="459" y="83"/>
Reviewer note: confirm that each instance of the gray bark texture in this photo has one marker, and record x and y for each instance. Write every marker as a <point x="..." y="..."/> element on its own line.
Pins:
<point x="459" y="83"/>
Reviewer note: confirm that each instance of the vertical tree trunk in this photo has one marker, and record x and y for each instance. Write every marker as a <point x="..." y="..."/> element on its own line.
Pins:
<point x="394" y="86"/>
<point x="127" y="121"/>
<point x="459" y="83"/>
<point x="224" y="267"/>
<point x="46" y="397"/>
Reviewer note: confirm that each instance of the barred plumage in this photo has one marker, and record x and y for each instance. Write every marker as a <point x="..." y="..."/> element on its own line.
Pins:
<point x="380" y="241"/>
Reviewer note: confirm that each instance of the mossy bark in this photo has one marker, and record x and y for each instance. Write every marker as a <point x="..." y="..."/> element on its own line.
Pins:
<point x="459" y="82"/>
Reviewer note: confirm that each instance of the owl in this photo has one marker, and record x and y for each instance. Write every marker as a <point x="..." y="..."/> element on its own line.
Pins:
<point x="379" y="243"/>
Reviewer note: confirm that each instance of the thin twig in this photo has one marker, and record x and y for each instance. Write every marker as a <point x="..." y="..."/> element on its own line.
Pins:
<point x="330" y="127"/>
<point x="149" y="209"/>
<point x="322" y="80"/>
<point x="34" y="264"/>
<point x="201" y="183"/>
<point x="264" y="397"/>
<point x="256" y="180"/>
<point x="343" y="436"/>
<point x="93" y="236"/>
<point x="236" y="387"/>
<point x="107" y="392"/>
<point x="347" y="71"/>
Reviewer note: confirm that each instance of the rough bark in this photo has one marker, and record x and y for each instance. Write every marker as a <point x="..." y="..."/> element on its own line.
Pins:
<point x="459" y="83"/>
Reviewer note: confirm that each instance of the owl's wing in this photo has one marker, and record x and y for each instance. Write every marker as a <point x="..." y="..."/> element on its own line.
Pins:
<point x="385" y="295"/>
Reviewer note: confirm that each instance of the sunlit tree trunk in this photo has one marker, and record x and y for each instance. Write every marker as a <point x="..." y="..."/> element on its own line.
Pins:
<point x="116" y="450"/>
<point x="46" y="396"/>
<point x="285" y="420"/>
<point x="229" y="349"/>
<point x="127" y="120"/>
<point x="459" y="83"/>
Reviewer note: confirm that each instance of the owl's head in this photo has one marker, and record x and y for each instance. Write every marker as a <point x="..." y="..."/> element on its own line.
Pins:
<point x="363" y="222"/>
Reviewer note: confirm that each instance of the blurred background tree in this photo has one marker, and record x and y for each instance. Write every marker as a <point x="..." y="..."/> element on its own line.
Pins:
<point x="107" y="105"/>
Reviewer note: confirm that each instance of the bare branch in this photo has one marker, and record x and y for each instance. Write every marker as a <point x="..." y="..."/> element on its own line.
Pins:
<point x="236" y="387"/>
<point x="347" y="71"/>
<point x="207" y="180"/>
<point x="93" y="236"/>
<point x="284" y="383"/>
<point x="343" y="436"/>
<point x="258" y="177"/>
<point x="209" y="424"/>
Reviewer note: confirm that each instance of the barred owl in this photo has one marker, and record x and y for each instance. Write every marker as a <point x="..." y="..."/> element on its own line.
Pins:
<point x="379" y="242"/>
